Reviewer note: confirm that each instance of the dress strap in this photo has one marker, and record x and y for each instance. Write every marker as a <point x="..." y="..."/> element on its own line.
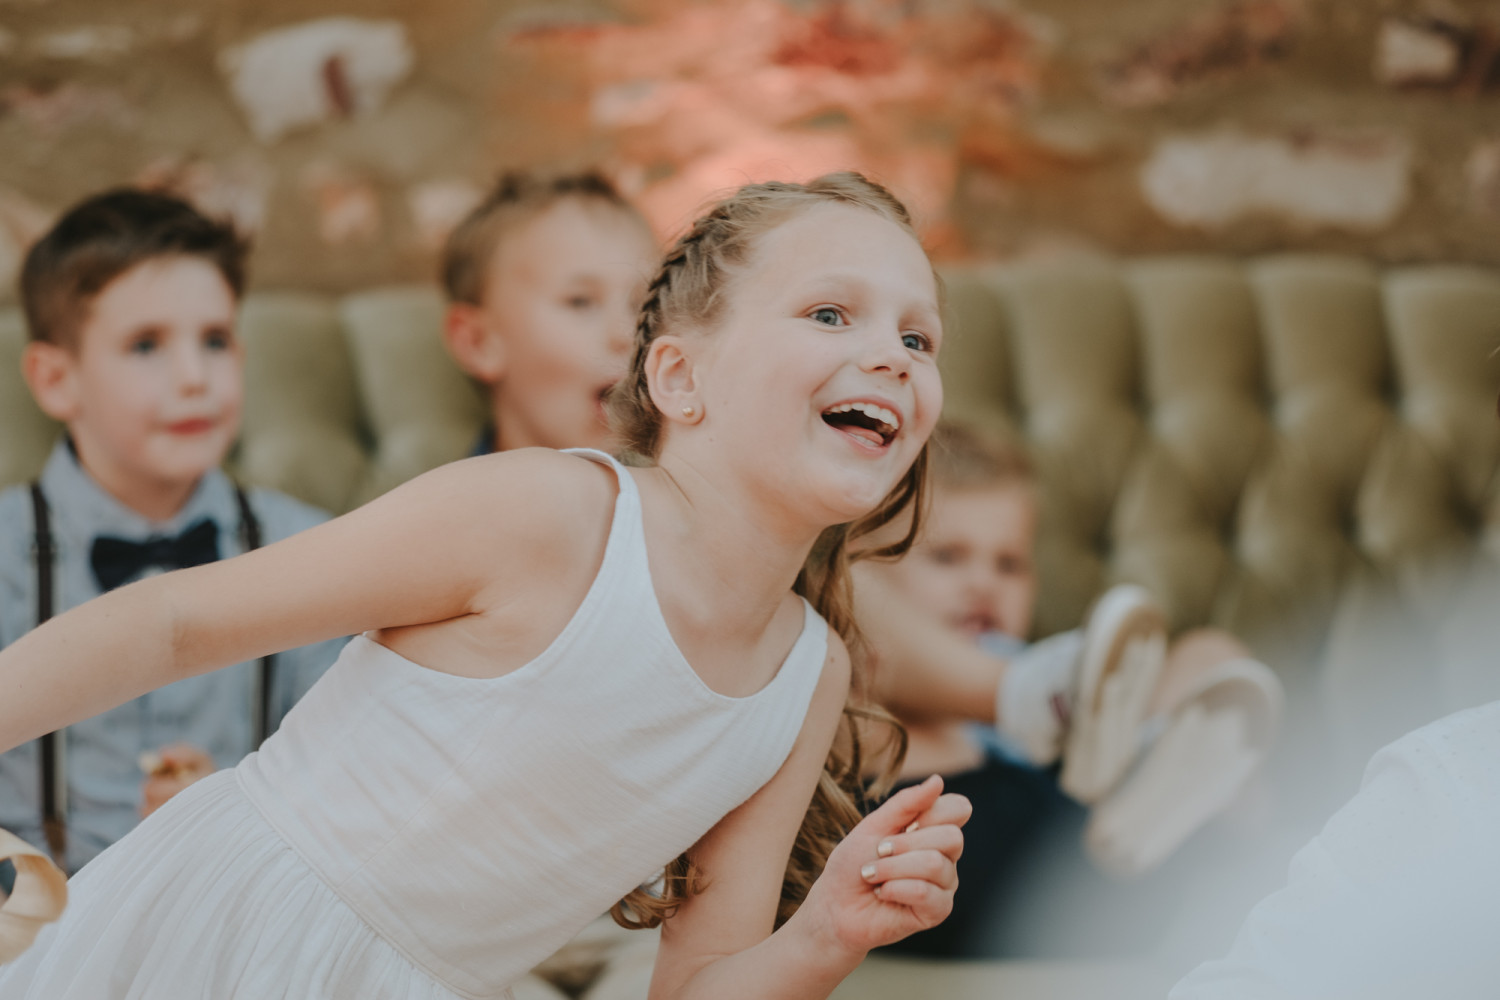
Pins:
<point x="622" y="473"/>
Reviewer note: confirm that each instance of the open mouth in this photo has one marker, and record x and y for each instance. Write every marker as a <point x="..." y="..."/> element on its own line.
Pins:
<point x="977" y="623"/>
<point x="601" y="401"/>
<point x="868" y="422"/>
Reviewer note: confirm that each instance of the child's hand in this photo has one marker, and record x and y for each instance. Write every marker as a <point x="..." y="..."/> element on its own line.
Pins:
<point x="895" y="873"/>
<point x="170" y="770"/>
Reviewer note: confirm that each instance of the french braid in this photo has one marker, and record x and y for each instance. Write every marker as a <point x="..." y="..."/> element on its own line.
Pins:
<point x="688" y="294"/>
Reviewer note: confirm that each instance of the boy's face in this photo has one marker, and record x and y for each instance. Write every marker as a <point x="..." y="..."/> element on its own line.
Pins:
<point x="560" y="302"/>
<point x="152" y="389"/>
<point x="972" y="566"/>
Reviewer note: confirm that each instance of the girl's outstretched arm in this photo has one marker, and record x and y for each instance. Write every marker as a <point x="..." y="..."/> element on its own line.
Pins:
<point x="719" y="944"/>
<point x="491" y="537"/>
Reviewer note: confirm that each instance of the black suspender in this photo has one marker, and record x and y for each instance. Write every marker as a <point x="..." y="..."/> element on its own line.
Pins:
<point x="54" y="770"/>
<point x="265" y="671"/>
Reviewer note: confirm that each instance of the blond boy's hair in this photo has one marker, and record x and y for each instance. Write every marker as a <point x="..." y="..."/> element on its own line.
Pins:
<point x="965" y="457"/>
<point x="517" y="198"/>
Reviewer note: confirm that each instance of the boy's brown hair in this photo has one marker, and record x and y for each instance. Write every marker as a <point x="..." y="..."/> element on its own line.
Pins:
<point x="966" y="457"/>
<point x="106" y="235"/>
<point x="517" y="197"/>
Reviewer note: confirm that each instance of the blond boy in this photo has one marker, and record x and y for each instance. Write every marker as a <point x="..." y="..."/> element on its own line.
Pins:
<point x="543" y="281"/>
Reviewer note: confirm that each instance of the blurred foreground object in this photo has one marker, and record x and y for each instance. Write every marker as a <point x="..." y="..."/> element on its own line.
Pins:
<point x="1399" y="894"/>
<point x="37" y="898"/>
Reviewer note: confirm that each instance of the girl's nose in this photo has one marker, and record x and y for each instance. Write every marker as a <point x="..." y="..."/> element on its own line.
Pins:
<point x="886" y="353"/>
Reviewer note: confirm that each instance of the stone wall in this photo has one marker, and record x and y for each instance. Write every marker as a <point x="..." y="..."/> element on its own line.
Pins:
<point x="347" y="137"/>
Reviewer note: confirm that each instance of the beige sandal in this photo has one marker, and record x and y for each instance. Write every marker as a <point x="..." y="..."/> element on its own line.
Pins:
<point x="1216" y="737"/>
<point x="37" y="899"/>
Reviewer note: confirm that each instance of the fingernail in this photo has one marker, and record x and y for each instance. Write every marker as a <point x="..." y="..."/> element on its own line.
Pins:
<point x="913" y="826"/>
<point x="868" y="871"/>
<point x="886" y="849"/>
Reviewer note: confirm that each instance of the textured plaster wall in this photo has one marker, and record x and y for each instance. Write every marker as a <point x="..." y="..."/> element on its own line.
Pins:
<point x="1355" y="125"/>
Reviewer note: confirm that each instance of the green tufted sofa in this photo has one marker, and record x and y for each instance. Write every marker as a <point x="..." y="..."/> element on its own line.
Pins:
<point x="1244" y="437"/>
<point x="1253" y="439"/>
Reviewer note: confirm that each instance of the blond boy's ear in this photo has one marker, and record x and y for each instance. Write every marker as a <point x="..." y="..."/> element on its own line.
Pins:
<point x="477" y="348"/>
<point x="51" y="375"/>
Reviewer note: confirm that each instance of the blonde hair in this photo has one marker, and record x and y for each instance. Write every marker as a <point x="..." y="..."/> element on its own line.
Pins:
<point x="517" y="197"/>
<point x="689" y="293"/>
<point x="965" y="457"/>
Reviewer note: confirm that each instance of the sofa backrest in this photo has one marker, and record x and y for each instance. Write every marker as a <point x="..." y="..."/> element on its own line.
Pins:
<point x="1244" y="437"/>
<point x="344" y="397"/>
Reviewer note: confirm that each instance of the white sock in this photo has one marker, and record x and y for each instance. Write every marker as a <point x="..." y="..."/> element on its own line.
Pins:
<point x="1035" y="696"/>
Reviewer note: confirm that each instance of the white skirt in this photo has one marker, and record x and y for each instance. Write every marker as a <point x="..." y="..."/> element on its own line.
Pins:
<point x="205" y="899"/>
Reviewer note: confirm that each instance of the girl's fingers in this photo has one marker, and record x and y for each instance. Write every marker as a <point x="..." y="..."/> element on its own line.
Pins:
<point x="924" y="898"/>
<point x="951" y="808"/>
<point x="946" y="839"/>
<point x="906" y="807"/>
<point x="927" y="866"/>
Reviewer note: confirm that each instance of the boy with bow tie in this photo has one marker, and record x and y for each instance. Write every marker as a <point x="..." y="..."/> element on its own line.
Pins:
<point x="130" y="302"/>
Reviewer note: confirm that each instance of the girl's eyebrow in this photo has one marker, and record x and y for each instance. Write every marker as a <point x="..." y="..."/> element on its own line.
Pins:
<point x="837" y="279"/>
<point x="856" y="281"/>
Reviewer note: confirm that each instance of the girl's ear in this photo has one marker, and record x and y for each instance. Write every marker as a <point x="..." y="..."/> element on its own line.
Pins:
<point x="51" y="373"/>
<point x="478" y="349"/>
<point x="673" y="380"/>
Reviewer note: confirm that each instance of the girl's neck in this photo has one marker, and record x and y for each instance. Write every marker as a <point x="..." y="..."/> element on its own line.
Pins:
<point x="734" y="559"/>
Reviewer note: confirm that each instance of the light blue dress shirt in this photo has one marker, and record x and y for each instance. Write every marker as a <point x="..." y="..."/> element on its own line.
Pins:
<point x="212" y="711"/>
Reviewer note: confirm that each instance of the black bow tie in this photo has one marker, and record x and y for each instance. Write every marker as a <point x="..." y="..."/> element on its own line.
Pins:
<point x="115" y="560"/>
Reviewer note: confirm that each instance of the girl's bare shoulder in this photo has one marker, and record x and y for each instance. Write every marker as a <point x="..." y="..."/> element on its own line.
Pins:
<point x="537" y="481"/>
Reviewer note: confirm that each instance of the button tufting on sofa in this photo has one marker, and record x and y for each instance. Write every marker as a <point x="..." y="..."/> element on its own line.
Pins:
<point x="1244" y="437"/>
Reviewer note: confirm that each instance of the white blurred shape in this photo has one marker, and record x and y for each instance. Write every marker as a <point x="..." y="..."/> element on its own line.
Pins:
<point x="1358" y="183"/>
<point x="312" y="72"/>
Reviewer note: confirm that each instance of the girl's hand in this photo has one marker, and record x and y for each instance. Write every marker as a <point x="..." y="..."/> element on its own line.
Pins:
<point x="894" y="874"/>
<point x="170" y="770"/>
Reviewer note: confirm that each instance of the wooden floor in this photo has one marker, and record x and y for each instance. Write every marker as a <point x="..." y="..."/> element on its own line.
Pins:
<point x="909" y="979"/>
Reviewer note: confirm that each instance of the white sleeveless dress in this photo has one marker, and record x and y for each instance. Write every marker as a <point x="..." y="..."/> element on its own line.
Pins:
<point x="418" y="835"/>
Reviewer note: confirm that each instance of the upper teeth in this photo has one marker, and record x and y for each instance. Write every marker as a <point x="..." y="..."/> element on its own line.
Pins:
<point x="880" y="413"/>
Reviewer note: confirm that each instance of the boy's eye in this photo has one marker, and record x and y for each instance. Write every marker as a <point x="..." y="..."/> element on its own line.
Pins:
<point x="1011" y="566"/>
<point x="218" y="340"/>
<point x="827" y="315"/>
<point x="916" y="342"/>
<point x="580" y="301"/>
<point x="945" y="555"/>
<point x="143" y="345"/>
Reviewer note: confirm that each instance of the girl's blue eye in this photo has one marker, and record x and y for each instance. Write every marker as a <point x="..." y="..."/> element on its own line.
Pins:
<point x="827" y="315"/>
<point x="143" y="346"/>
<point x="916" y="342"/>
<point x="218" y="340"/>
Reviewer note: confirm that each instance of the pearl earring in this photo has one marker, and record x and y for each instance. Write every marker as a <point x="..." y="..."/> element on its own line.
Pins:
<point x="688" y="411"/>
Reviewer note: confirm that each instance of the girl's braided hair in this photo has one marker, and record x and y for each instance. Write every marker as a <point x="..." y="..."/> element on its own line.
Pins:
<point x="689" y="294"/>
